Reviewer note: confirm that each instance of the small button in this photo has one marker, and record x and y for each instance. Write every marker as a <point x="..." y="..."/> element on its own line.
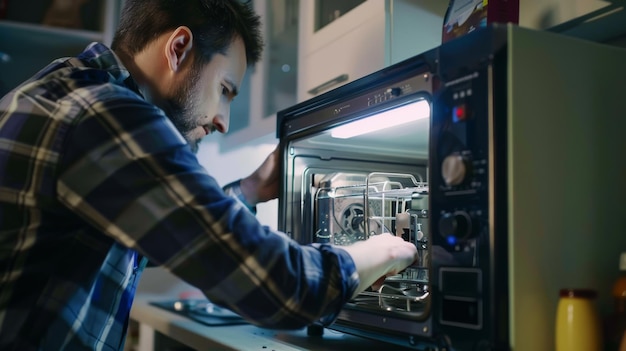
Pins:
<point x="459" y="113"/>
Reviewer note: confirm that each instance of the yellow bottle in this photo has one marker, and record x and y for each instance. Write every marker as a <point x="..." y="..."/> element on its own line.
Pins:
<point x="578" y="325"/>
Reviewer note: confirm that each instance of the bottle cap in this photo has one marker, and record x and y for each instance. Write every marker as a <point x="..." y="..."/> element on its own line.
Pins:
<point x="622" y="261"/>
<point x="578" y="293"/>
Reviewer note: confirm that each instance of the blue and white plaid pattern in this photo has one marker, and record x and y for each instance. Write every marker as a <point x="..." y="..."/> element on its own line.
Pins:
<point x="95" y="181"/>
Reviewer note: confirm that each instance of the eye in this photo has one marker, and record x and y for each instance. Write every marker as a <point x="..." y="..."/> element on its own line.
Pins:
<point x="225" y="91"/>
<point x="228" y="91"/>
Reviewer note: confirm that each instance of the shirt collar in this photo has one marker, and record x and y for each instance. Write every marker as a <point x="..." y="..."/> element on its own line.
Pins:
<point x="98" y="55"/>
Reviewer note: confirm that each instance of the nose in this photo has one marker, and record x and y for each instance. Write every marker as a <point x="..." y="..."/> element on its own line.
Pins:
<point x="221" y="120"/>
<point x="220" y="123"/>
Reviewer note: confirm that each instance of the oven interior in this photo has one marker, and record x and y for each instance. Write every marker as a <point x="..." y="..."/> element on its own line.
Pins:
<point x="363" y="177"/>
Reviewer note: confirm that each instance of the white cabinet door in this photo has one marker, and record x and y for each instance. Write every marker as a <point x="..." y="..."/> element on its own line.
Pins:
<point x="367" y="38"/>
<point x="314" y="35"/>
<point x="356" y="54"/>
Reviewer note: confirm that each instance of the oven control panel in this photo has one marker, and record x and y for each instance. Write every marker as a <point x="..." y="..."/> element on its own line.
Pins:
<point x="459" y="188"/>
<point x="459" y="157"/>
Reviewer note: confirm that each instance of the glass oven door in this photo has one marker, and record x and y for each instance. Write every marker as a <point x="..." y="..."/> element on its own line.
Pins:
<point x="355" y="164"/>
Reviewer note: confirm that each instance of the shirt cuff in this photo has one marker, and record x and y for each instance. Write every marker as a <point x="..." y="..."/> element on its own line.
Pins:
<point x="234" y="190"/>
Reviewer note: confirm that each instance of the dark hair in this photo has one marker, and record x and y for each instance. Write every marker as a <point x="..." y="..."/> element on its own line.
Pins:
<point x="214" y="23"/>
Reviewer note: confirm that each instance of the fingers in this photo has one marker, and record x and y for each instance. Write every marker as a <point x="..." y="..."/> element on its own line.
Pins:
<point x="379" y="256"/>
<point x="403" y="254"/>
<point x="262" y="185"/>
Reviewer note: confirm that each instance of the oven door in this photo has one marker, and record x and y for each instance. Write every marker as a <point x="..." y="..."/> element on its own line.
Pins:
<point x="355" y="164"/>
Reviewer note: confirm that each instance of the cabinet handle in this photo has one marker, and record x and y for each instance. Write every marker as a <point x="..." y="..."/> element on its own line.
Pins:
<point x="327" y="85"/>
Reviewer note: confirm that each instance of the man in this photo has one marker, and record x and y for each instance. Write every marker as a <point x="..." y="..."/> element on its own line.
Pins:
<point x="98" y="176"/>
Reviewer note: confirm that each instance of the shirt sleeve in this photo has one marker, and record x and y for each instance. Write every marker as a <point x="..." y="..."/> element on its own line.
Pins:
<point x="127" y="172"/>
<point x="233" y="189"/>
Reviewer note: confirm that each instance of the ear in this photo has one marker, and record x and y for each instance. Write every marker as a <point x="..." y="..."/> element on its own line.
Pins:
<point x="178" y="47"/>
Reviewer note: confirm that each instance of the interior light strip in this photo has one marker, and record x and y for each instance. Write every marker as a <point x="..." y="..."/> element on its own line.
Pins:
<point x="386" y="119"/>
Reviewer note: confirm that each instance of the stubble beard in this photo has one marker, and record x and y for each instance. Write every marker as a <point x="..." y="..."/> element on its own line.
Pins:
<point x="182" y="109"/>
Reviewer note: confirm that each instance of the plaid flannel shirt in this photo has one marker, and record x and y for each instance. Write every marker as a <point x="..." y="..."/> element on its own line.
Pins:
<point x="95" y="181"/>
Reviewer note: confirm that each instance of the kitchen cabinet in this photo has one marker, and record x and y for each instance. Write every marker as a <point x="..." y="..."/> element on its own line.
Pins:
<point x="33" y="33"/>
<point x="270" y="85"/>
<point x="343" y="41"/>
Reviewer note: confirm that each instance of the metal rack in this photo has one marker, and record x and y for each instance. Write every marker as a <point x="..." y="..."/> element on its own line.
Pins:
<point x="375" y="203"/>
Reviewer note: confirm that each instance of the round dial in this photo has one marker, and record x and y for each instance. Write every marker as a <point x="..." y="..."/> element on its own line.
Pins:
<point x="454" y="169"/>
<point x="457" y="224"/>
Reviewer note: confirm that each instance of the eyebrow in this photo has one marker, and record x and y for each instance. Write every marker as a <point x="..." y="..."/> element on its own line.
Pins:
<point x="234" y="90"/>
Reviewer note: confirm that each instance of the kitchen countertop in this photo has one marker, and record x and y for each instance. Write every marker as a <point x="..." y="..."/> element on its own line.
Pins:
<point x="241" y="337"/>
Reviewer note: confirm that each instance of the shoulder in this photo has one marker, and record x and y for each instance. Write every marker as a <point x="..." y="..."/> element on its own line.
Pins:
<point x="123" y="117"/>
<point x="69" y="92"/>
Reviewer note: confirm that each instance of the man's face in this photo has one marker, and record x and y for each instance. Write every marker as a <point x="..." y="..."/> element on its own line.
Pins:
<point x="199" y="103"/>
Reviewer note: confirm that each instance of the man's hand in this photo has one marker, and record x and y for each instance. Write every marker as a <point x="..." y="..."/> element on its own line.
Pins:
<point x="380" y="256"/>
<point x="262" y="184"/>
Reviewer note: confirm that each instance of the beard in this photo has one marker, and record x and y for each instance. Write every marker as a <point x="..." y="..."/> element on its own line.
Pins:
<point x="181" y="108"/>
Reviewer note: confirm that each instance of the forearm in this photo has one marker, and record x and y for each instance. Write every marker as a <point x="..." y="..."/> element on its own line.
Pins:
<point x="262" y="184"/>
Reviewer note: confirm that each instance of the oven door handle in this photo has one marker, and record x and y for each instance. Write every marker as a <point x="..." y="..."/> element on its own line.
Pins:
<point x="329" y="84"/>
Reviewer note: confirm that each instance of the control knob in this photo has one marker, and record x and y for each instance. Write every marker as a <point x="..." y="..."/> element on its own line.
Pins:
<point x="457" y="225"/>
<point x="454" y="169"/>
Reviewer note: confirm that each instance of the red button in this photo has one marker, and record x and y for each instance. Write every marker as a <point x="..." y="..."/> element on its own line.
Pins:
<point x="458" y="113"/>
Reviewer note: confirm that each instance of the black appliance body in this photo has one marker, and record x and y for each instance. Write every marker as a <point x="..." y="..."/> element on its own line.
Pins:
<point x="486" y="153"/>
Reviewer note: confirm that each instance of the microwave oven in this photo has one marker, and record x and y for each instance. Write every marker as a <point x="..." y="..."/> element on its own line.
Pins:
<point x="500" y="155"/>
